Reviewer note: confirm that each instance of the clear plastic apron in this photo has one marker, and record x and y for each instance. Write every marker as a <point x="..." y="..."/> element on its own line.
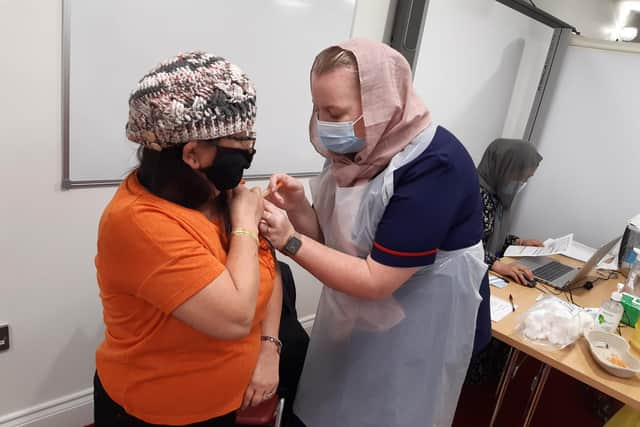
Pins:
<point x="396" y="362"/>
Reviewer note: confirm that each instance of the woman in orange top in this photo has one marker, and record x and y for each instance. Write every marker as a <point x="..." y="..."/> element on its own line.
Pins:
<point x="191" y="295"/>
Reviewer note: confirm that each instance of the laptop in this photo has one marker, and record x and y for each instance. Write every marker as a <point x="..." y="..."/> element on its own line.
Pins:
<point x="562" y="276"/>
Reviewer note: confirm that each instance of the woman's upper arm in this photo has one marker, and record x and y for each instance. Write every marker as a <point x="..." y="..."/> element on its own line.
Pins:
<point x="214" y="310"/>
<point x="184" y="278"/>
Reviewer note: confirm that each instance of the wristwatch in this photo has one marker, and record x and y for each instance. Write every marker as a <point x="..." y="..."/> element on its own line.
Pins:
<point x="275" y="341"/>
<point x="292" y="246"/>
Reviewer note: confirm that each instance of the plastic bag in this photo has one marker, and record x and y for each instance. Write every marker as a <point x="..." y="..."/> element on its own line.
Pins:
<point x="553" y="323"/>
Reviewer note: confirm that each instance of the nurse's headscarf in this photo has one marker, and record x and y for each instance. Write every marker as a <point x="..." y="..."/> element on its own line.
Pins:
<point x="505" y="166"/>
<point x="393" y="113"/>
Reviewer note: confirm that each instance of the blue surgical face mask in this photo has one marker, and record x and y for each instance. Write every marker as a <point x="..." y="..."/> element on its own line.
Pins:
<point x="340" y="137"/>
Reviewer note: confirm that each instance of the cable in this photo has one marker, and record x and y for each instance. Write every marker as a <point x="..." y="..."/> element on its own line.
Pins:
<point x="544" y="291"/>
<point x="606" y="276"/>
<point x="550" y="290"/>
<point x="533" y="4"/>
<point x="572" y="301"/>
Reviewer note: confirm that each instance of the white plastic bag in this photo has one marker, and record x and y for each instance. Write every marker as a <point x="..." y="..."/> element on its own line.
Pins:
<point x="553" y="323"/>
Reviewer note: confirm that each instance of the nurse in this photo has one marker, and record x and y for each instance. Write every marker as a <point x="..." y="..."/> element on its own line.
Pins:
<point x="394" y="234"/>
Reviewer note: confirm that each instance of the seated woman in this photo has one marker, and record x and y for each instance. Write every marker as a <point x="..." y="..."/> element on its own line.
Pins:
<point x="191" y="295"/>
<point x="505" y="167"/>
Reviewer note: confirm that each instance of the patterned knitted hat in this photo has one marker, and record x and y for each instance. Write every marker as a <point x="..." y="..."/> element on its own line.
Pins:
<point x="194" y="96"/>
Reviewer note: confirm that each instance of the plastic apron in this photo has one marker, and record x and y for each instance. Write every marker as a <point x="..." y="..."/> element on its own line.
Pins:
<point x="396" y="362"/>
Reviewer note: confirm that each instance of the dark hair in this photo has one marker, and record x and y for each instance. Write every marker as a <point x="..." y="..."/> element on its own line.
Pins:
<point x="166" y="175"/>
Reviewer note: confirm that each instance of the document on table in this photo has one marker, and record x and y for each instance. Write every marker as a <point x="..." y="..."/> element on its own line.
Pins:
<point x="565" y="245"/>
<point x="582" y="252"/>
<point x="579" y="251"/>
<point x="551" y="247"/>
<point x="496" y="281"/>
<point x="499" y="308"/>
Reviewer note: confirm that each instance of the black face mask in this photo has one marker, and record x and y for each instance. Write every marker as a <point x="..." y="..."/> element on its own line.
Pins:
<point x="226" y="170"/>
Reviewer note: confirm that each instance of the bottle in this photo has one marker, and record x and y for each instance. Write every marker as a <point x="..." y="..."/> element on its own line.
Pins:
<point x="633" y="279"/>
<point x="611" y="311"/>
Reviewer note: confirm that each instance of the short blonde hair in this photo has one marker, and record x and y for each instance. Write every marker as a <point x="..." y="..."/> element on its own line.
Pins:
<point x="332" y="58"/>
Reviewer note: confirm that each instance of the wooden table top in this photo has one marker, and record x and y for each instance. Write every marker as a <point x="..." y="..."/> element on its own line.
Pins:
<point x="575" y="360"/>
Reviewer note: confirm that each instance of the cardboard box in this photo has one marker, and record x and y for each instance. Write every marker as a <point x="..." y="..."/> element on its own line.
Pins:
<point x="631" y="306"/>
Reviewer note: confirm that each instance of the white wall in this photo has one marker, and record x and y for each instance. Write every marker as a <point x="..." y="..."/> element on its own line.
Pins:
<point x="48" y="236"/>
<point x="478" y="66"/>
<point x="593" y="18"/>
<point x="373" y="19"/>
<point x="589" y="143"/>
<point x="480" y="62"/>
<point x="49" y="293"/>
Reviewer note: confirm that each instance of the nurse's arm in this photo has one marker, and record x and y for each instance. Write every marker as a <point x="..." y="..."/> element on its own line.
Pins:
<point x="288" y="193"/>
<point x="362" y="278"/>
<point x="304" y="219"/>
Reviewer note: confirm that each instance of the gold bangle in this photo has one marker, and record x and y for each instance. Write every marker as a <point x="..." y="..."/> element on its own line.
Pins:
<point x="243" y="232"/>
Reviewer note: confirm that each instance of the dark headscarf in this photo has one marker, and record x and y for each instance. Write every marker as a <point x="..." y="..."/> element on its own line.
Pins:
<point x="505" y="164"/>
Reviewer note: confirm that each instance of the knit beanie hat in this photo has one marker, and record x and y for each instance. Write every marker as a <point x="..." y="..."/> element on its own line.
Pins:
<point x="194" y="96"/>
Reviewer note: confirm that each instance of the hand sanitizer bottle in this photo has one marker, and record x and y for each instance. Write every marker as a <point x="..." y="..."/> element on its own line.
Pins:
<point x="611" y="311"/>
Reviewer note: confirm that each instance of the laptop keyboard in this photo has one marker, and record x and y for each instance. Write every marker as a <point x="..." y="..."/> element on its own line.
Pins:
<point x="551" y="271"/>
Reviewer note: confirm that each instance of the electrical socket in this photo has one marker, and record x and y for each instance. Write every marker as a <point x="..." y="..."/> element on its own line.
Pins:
<point x="4" y="336"/>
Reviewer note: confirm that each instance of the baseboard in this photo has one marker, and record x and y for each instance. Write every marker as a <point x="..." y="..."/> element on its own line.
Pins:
<point x="76" y="409"/>
<point x="307" y="322"/>
<point x="73" y="410"/>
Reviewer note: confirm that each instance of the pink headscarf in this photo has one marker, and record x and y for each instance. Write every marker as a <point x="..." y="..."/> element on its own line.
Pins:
<point x="393" y="113"/>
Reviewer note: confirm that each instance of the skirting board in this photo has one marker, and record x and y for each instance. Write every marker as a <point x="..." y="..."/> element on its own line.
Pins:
<point x="73" y="410"/>
<point x="307" y="322"/>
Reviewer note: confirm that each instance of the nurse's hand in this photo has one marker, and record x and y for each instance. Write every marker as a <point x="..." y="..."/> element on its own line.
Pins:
<point x="286" y="192"/>
<point x="514" y="271"/>
<point x="275" y="225"/>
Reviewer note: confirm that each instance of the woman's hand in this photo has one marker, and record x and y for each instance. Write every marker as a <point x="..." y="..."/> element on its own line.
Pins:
<point x="264" y="381"/>
<point x="245" y="206"/>
<point x="275" y="225"/>
<point x="531" y="242"/>
<point x="517" y="272"/>
<point x="286" y="192"/>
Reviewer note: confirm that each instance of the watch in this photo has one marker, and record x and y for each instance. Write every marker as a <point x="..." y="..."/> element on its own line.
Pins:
<point x="275" y="341"/>
<point x="292" y="246"/>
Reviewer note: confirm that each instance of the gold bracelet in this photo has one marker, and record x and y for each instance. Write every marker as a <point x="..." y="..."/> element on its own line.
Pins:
<point x="244" y="232"/>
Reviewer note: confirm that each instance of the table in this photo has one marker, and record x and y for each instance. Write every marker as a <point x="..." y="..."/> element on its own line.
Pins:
<point x="575" y="360"/>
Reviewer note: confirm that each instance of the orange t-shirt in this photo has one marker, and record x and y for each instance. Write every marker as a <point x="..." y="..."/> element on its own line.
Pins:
<point x="153" y="255"/>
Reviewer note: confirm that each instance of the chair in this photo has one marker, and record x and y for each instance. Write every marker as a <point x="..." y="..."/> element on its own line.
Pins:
<point x="267" y="413"/>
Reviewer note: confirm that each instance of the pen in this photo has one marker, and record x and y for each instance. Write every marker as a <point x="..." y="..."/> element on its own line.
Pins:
<point x="513" y="307"/>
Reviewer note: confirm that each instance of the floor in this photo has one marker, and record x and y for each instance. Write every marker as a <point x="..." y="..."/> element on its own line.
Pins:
<point x="565" y="401"/>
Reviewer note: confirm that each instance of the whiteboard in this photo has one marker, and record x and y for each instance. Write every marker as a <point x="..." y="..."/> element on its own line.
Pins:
<point x="109" y="45"/>
<point x="478" y="67"/>
<point x="587" y="182"/>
